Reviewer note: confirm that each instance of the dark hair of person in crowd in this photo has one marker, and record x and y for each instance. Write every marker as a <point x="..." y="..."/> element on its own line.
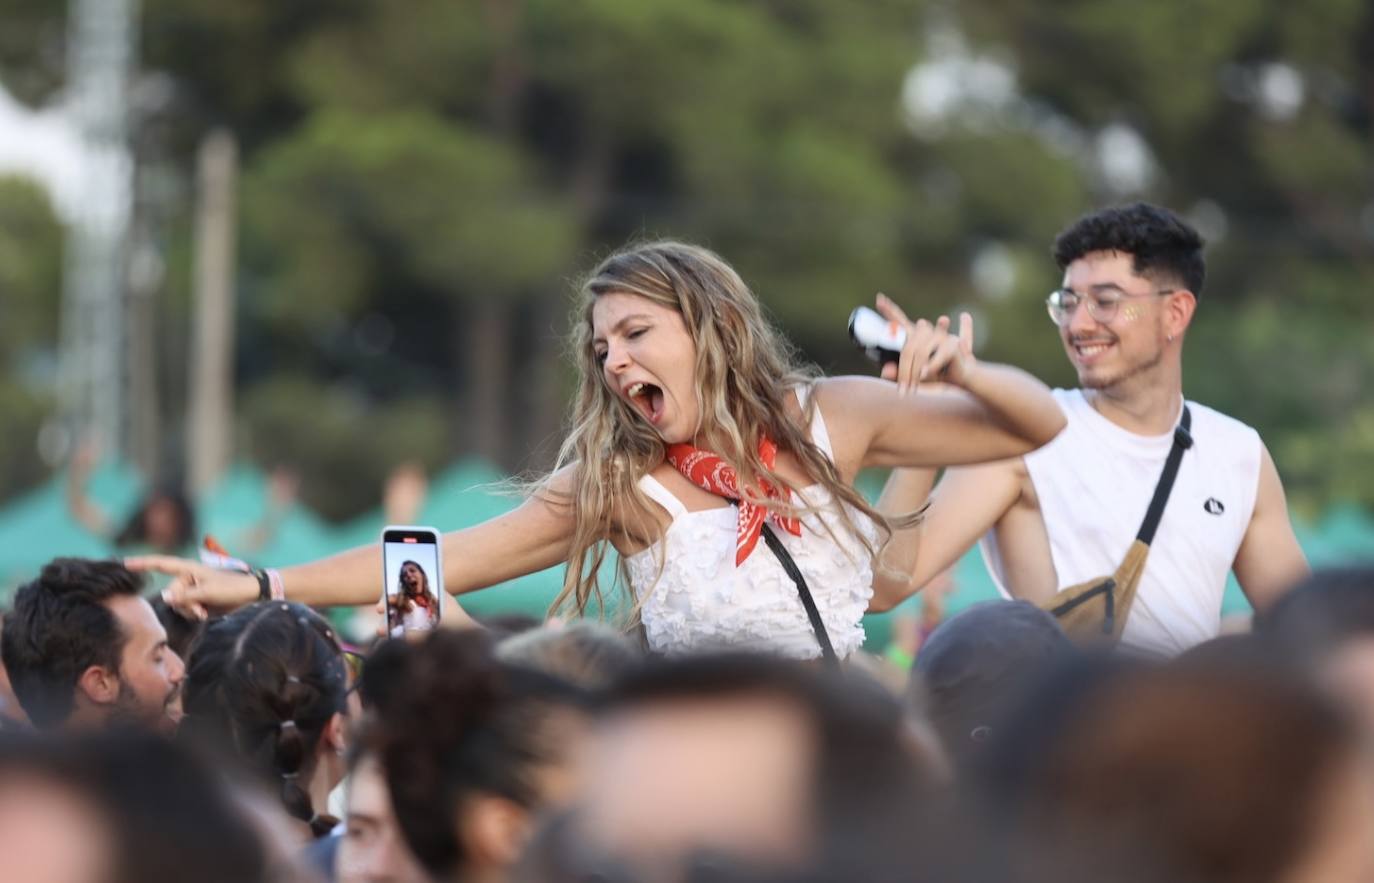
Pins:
<point x="164" y="519"/>
<point x="60" y="625"/>
<point x="462" y="734"/>
<point x="264" y="684"/>
<point x="1324" y="627"/>
<point x="507" y="625"/>
<point x="1163" y="246"/>
<point x="1213" y="767"/>
<point x="975" y="667"/>
<point x="584" y="652"/>
<point x="165" y="815"/>
<point x="870" y="782"/>
<point x="12" y="714"/>
<point x="1321" y="613"/>
<point x="182" y="631"/>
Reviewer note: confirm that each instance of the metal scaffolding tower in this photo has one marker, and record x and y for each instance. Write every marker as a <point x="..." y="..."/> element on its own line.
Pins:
<point x="102" y="44"/>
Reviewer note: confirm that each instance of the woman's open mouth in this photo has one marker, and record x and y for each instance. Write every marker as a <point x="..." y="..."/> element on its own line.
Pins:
<point x="648" y="399"/>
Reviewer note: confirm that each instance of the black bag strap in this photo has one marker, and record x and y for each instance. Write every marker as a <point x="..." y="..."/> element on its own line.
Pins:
<point x="1183" y="440"/>
<point x="817" y="624"/>
<point x="1104" y="588"/>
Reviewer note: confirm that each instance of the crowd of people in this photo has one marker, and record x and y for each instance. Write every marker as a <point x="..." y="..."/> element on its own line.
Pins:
<point x="1094" y="725"/>
<point x="566" y="752"/>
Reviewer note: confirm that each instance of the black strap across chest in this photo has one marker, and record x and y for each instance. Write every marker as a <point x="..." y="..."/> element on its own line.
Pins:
<point x="1183" y="440"/>
<point x="812" y="613"/>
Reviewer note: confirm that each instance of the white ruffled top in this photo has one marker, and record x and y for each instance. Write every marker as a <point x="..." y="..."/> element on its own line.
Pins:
<point x="701" y="601"/>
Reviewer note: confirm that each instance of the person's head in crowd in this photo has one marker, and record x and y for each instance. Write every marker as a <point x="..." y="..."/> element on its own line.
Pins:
<point x="1216" y="770"/>
<point x="751" y="759"/>
<point x="372" y="848"/>
<point x="164" y="521"/>
<point x="83" y="648"/>
<point x="1326" y="625"/>
<point x="473" y="748"/>
<point x="52" y="830"/>
<point x="11" y="712"/>
<point x="583" y="652"/>
<point x="118" y="807"/>
<point x="507" y="624"/>
<point x="268" y="685"/>
<point x="975" y="667"/>
<point x="1132" y="278"/>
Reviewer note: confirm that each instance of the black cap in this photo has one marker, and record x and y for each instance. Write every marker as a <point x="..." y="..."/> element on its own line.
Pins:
<point x="980" y="661"/>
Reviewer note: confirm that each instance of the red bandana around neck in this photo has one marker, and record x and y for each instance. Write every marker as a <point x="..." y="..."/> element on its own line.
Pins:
<point x="708" y="471"/>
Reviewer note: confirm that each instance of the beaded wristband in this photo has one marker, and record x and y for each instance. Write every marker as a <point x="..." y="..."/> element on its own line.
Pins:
<point x="278" y="588"/>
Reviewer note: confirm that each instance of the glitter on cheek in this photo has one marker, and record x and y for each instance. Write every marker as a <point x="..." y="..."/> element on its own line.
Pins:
<point x="1130" y="314"/>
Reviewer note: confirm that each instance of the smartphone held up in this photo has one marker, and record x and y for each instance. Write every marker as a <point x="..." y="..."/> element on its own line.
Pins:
<point x="879" y="339"/>
<point x="413" y="579"/>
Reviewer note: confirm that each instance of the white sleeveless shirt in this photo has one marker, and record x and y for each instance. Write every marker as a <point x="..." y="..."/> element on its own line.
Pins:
<point x="1094" y="482"/>
<point x="702" y="601"/>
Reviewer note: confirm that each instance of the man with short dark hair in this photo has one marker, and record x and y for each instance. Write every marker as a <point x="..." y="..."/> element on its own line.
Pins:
<point x="84" y="649"/>
<point x="1067" y="513"/>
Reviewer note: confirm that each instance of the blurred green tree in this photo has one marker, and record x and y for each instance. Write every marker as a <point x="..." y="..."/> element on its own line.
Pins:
<point x="424" y="181"/>
<point x="30" y="293"/>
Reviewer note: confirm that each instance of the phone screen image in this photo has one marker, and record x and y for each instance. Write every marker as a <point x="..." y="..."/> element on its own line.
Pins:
<point x="413" y="579"/>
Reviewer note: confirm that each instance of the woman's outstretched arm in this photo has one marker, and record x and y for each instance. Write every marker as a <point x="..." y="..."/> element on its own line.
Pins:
<point x="530" y="538"/>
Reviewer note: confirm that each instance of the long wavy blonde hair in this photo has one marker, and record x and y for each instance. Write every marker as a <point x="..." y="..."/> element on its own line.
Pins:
<point x="745" y="372"/>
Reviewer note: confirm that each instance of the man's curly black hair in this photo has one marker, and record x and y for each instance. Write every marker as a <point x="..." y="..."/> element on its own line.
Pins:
<point x="1162" y="245"/>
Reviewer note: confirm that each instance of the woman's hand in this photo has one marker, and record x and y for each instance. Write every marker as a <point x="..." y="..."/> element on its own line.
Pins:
<point x="930" y="353"/>
<point x="196" y="589"/>
<point x="989" y="412"/>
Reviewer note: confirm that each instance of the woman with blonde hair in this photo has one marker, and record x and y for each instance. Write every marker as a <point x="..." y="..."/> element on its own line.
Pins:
<point x="696" y="433"/>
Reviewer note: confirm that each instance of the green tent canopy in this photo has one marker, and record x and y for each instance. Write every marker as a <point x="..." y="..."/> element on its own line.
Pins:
<point x="38" y="526"/>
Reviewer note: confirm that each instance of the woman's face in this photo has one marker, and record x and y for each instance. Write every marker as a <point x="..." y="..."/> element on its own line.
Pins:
<point x="412" y="577"/>
<point x="648" y="359"/>
<point x="162" y="524"/>
<point x="373" y="847"/>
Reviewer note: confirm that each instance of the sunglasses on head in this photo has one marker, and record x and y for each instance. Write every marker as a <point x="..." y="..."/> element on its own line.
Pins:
<point x="354" y="660"/>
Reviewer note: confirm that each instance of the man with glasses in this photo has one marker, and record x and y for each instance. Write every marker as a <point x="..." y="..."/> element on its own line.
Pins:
<point x="1067" y="513"/>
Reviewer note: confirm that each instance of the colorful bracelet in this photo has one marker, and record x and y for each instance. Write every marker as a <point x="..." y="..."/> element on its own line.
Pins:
<point x="278" y="587"/>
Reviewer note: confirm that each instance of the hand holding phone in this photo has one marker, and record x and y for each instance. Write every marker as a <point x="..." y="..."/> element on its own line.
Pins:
<point x="881" y="340"/>
<point x="413" y="579"/>
<point x="913" y="353"/>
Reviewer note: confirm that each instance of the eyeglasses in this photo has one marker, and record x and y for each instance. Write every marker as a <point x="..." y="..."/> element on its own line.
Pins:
<point x="1102" y="304"/>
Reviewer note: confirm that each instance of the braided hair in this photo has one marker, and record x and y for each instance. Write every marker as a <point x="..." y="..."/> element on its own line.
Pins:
<point x="262" y="684"/>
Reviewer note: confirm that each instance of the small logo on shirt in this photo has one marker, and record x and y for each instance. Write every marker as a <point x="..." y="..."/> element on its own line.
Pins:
<point x="1213" y="506"/>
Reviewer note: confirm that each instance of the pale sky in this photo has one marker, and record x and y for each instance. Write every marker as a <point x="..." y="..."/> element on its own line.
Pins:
<point x="41" y="144"/>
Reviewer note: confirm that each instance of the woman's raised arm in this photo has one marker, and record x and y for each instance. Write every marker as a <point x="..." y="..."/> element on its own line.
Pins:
<point x="993" y="413"/>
